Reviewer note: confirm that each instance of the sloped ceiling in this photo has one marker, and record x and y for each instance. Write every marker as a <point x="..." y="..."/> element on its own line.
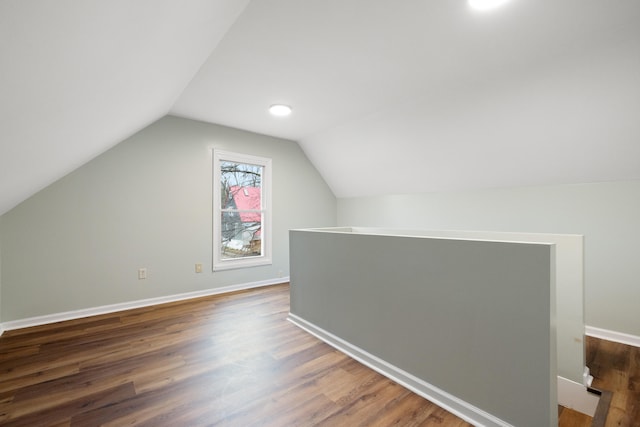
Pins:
<point x="388" y="97"/>
<point x="77" y="77"/>
<point x="426" y="95"/>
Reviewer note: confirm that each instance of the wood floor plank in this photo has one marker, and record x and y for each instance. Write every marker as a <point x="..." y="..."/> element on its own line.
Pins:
<point x="616" y="368"/>
<point x="408" y="411"/>
<point x="63" y="412"/>
<point x="571" y="418"/>
<point x="7" y="354"/>
<point x="370" y="400"/>
<point x="44" y="360"/>
<point x="228" y="360"/>
<point x="12" y="384"/>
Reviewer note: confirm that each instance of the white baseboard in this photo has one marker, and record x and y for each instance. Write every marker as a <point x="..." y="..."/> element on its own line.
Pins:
<point x="112" y="308"/>
<point x="575" y="396"/>
<point x="614" y="336"/>
<point x="459" y="407"/>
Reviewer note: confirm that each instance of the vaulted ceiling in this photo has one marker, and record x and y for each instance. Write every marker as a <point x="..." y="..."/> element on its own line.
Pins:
<point x="388" y="96"/>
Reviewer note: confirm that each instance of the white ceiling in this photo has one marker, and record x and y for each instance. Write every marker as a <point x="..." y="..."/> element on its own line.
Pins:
<point x="77" y="77"/>
<point x="388" y="97"/>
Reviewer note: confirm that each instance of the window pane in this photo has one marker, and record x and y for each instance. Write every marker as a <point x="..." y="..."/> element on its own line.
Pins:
<point x="241" y="186"/>
<point x="241" y="235"/>
<point x="242" y="203"/>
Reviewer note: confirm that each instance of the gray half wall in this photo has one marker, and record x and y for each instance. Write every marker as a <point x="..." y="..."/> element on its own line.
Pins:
<point x="0" y="274"/>
<point x="473" y="318"/>
<point x="146" y="203"/>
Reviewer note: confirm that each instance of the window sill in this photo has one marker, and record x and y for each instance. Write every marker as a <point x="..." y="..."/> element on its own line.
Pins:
<point x="234" y="264"/>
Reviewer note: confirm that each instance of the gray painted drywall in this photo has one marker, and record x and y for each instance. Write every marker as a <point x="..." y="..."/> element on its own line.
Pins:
<point x="569" y="268"/>
<point x="146" y="203"/>
<point x="0" y="273"/>
<point x="607" y="214"/>
<point x="473" y="318"/>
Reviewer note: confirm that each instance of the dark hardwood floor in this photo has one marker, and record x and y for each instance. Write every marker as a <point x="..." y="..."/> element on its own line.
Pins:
<point x="570" y="418"/>
<point x="616" y="367"/>
<point x="229" y="360"/>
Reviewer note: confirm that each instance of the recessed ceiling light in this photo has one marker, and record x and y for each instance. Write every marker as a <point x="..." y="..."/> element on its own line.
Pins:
<point x="486" y="4"/>
<point x="280" y="110"/>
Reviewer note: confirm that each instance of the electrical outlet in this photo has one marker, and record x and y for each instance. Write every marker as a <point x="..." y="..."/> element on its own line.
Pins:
<point x="142" y="273"/>
<point x="198" y="268"/>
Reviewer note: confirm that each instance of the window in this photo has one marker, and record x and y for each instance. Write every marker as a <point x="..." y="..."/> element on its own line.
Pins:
<point x="241" y="210"/>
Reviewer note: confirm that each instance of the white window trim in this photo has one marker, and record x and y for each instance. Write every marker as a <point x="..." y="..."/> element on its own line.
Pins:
<point x="264" y="259"/>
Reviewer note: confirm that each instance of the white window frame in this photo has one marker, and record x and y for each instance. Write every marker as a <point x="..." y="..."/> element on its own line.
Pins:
<point x="219" y="263"/>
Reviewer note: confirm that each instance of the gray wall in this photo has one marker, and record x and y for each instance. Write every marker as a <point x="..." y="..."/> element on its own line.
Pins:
<point x="569" y="278"/>
<point x="146" y="203"/>
<point x="607" y="214"/>
<point x="492" y="305"/>
<point x="0" y="271"/>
